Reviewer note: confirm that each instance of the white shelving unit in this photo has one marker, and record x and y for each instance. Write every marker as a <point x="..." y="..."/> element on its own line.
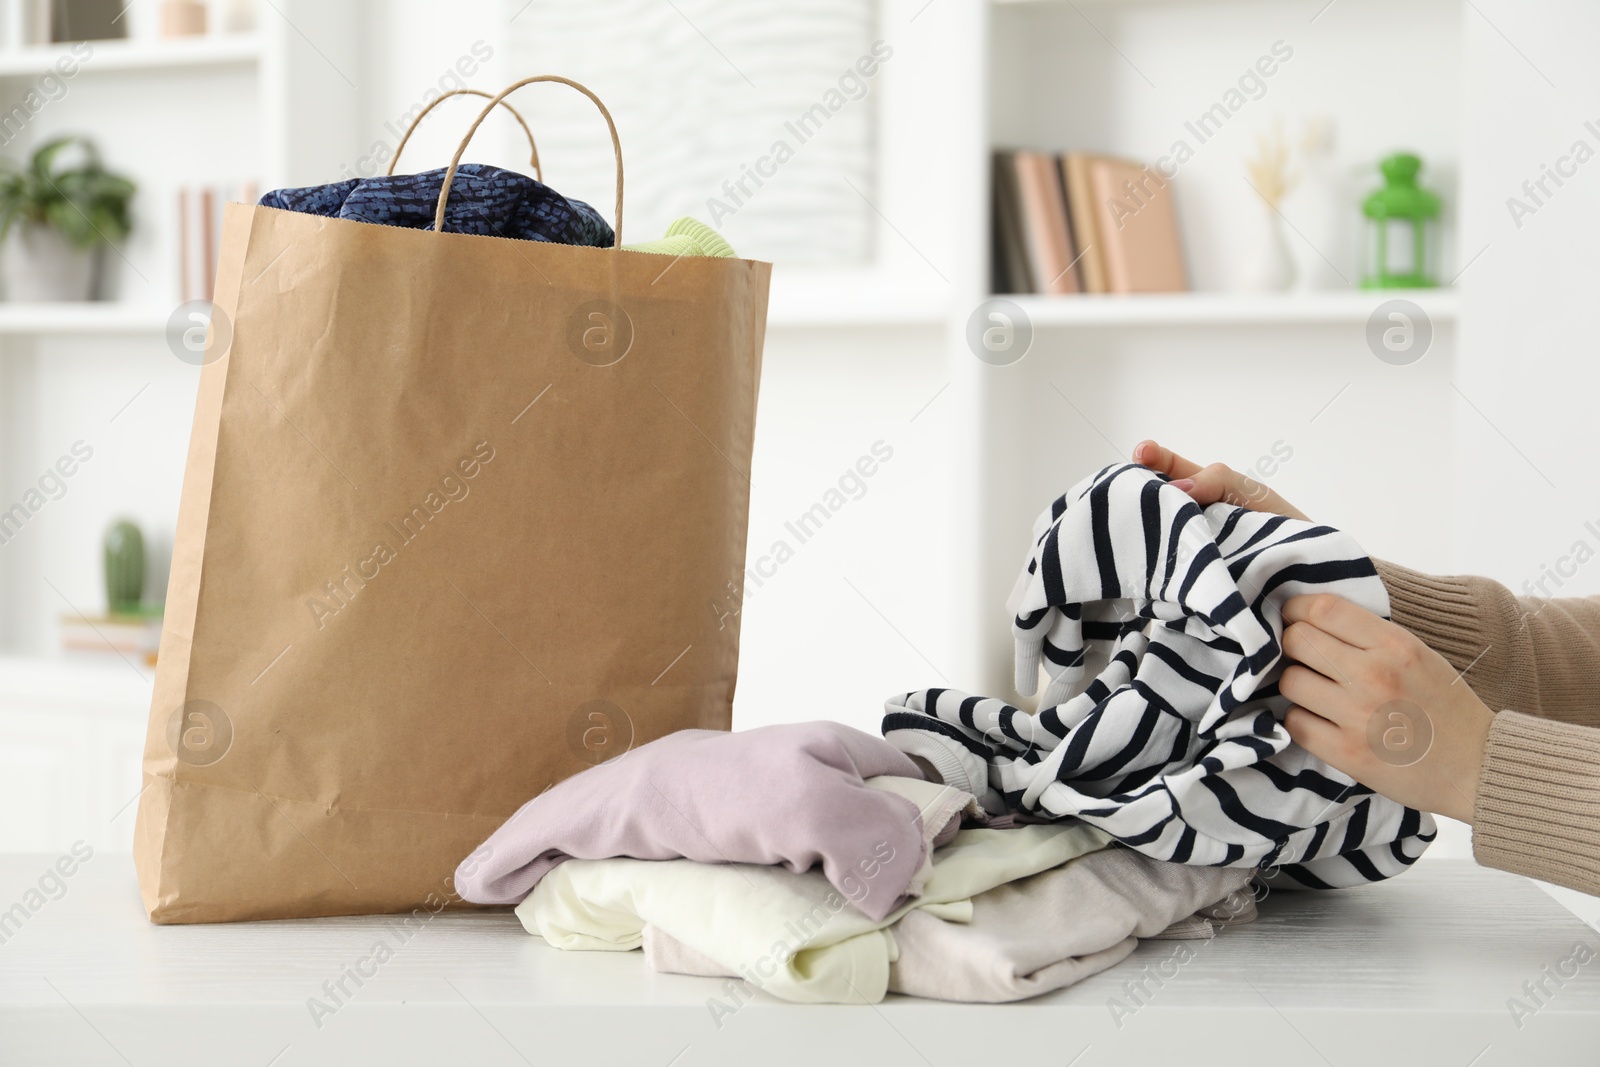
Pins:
<point x="1228" y="309"/>
<point x="844" y="298"/>
<point x="218" y="108"/>
<point x="69" y="319"/>
<point x="114" y="57"/>
<point x="71" y="741"/>
<point x="1219" y="372"/>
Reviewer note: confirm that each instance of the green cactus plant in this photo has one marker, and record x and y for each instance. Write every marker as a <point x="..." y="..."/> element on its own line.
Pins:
<point x="124" y="552"/>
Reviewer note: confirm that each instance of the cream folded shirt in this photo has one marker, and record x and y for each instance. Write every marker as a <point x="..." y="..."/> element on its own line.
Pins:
<point x="793" y="935"/>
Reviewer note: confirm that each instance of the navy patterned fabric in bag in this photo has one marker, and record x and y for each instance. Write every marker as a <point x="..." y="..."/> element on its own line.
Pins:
<point x="484" y="200"/>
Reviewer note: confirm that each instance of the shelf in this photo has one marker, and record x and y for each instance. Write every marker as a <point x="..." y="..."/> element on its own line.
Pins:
<point x="210" y="51"/>
<point x="849" y="297"/>
<point x="1228" y="309"/>
<point x="72" y="318"/>
<point x="86" y="681"/>
<point x="845" y="305"/>
<point x="1112" y="3"/>
<point x="868" y="310"/>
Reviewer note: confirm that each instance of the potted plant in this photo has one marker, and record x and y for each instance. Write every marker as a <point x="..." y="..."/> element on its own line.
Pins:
<point x="55" y="221"/>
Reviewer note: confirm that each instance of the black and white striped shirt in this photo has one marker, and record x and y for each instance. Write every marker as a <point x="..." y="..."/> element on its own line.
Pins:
<point x="1175" y="745"/>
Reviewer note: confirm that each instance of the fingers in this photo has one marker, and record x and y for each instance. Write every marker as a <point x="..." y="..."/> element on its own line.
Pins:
<point x="1313" y="733"/>
<point x="1317" y="693"/>
<point x="1213" y="483"/>
<point x="1338" y="617"/>
<point x="1322" y="652"/>
<point x="1164" y="460"/>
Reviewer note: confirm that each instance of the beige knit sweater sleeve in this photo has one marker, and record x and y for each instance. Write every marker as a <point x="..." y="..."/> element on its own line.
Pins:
<point x="1537" y="663"/>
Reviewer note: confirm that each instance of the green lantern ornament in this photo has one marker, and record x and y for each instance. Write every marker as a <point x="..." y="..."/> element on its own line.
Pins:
<point x="1402" y="234"/>
<point x="124" y="552"/>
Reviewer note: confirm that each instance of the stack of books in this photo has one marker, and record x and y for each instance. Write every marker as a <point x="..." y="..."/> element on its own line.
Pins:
<point x="1081" y="223"/>
<point x="135" y="637"/>
<point x="200" y="234"/>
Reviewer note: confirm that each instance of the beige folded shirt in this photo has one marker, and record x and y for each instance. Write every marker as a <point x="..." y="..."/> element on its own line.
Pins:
<point x="1037" y="934"/>
<point x="793" y="935"/>
<point x="1053" y="929"/>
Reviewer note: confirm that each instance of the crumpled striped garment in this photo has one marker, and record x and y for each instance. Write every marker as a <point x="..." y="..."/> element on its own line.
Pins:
<point x="1176" y="747"/>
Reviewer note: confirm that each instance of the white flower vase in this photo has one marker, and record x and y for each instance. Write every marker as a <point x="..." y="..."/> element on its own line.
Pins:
<point x="40" y="265"/>
<point x="1269" y="266"/>
<point x="1322" y="208"/>
<point x="1322" y="213"/>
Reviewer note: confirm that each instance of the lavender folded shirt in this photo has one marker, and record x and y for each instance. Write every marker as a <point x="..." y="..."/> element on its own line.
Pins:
<point x="791" y="794"/>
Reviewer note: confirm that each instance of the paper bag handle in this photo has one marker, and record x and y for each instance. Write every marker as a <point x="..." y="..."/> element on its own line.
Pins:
<point x="533" y="149"/>
<point x="455" y="162"/>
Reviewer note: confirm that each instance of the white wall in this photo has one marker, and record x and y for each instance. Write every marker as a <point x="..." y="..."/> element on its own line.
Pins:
<point x="1522" y="465"/>
<point x="858" y="613"/>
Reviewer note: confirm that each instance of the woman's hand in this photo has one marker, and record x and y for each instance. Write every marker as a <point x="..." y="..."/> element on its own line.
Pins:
<point x="1208" y="485"/>
<point x="1375" y="702"/>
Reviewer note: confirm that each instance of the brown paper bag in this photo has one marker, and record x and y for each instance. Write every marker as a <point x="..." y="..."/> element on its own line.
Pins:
<point x="462" y="516"/>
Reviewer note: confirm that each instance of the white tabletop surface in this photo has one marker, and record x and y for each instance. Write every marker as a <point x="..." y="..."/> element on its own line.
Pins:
<point x="1418" y="970"/>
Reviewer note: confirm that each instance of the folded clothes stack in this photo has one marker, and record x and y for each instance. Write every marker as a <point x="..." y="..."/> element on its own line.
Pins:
<point x="813" y="861"/>
<point x="982" y="852"/>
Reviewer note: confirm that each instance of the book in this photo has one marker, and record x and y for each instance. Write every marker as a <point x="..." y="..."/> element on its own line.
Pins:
<point x="1082" y="222"/>
<point x="135" y="637"/>
<point x="200" y="234"/>
<point x="1066" y="219"/>
<point x="1080" y="200"/>
<point x="1044" y="223"/>
<point x="38" y="19"/>
<point x="86" y="20"/>
<point x="1067" y="280"/>
<point x="1010" y="259"/>
<point x="1137" y="227"/>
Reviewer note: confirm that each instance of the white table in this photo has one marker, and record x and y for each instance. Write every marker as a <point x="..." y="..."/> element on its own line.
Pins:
<point x="1414" y="971"/>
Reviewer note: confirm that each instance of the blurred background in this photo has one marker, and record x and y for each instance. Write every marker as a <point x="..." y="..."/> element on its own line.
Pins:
<point x="911" y="168"/>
